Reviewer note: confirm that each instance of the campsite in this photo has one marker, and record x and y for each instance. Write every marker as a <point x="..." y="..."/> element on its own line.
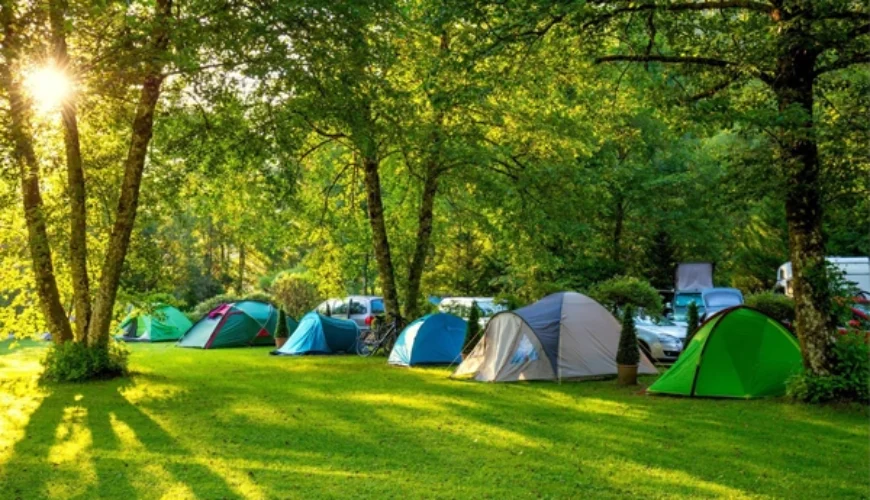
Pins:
<point x="434" y="249"/>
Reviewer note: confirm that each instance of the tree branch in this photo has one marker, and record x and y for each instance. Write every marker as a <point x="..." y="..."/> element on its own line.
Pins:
<point x="843" y="63"/>
<point x="703" y="61"/>
<point x="710" y="92"/>
<point x="689" y="6"/>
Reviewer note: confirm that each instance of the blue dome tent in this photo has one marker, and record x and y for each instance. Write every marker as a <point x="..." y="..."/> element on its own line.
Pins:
<point x="319" y="334"/>
<point x="432" y="339"/>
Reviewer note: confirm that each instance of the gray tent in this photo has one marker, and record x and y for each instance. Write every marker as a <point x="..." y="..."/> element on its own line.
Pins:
<point x="562" y="336"/>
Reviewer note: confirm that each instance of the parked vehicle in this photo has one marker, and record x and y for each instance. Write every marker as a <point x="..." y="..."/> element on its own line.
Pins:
<point x="855" y="269"/>
<point x="660" y="338"/>
<point x="681" y="305"/>
<point x="461" y="306"/>
<point x="361" y="309"/>
<point x="718" y="299"/>
<point x="690" y="279"/>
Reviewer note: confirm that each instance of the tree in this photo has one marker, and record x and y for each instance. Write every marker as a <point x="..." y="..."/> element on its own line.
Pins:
<point x="692" y="322"/>
<point x="628" y="352"/>
<point x="472" y="333"/>
<point x="779" y="50"/>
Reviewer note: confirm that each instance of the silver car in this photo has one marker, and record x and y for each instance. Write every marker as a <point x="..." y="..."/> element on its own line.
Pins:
<point x="660" y="339"/>
<point x="361" y="309"/>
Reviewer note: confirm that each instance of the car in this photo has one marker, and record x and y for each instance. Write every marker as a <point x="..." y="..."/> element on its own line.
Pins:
<point x="660" y="338"/>
<point x="681" y="305"/>
<point x="719" y="299"/>
<point x="361" y="309"/>
<point x="461" y="306"/>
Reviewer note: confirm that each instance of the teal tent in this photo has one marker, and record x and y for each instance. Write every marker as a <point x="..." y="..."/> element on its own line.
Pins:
<point x="163" y="324"/>
<point x="319" y="334"/>
<point x="433" y="339"/>
<point x="238" y="324"/>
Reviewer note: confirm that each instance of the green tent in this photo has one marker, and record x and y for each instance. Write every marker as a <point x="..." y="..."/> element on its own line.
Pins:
<point x="237" y="324"/>
<point x="738" y="353"/>
<point x="164" y="323"/>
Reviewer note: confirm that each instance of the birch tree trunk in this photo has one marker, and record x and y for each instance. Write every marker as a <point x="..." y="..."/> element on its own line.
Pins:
<point x="379" y="235"/>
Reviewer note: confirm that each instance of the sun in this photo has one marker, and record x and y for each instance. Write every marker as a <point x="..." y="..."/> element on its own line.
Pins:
<point x="49" y="87"/>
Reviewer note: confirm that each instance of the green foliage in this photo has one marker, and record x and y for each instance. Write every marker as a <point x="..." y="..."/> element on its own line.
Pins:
<point x="775" y="305"/>
<point x="77" y="362"/>
<point x="850" y="380"/>
<point x="628" y="352"/>
<point x="617" y="293"/>
<point x="472" y="332"/>
<point x="294" y="294"/>
<point x="692" y="321"/>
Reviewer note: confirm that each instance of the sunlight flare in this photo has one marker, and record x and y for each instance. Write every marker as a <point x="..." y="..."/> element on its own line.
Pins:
<point x="49" y="87"/>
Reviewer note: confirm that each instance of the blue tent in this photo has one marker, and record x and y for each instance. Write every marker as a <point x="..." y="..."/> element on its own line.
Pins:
<point x="318" y="334"/>
<point x="432" y="339"/>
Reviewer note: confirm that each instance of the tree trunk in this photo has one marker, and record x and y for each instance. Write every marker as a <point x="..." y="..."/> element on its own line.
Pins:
<point x="75" y="179"/>
<point x="379" y="235"/>
<point x="424" y="233"/>
<point x="240" y="287"/>
<point x="799" y="159"/>
<point x="619" y="216"/>
<point x="28" y="166"/>
<point x="143" y="124"/>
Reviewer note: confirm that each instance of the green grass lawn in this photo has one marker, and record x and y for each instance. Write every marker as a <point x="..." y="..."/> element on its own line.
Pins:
<point x="239" y="423"/>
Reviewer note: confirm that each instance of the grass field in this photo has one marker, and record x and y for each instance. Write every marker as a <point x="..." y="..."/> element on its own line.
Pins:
<point x="241" y="424"/>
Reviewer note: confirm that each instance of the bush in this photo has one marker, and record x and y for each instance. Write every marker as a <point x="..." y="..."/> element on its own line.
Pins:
<point x="628" y="352"/>
<point x="207" y="305"/>
<point x="282" y="331"/>
<point x="294" y="294"/>
<point x="775" y="305"/>
<point x="850" y="380"/>
<point x="76" y="362"/>
<point x="472" y="334"/>
<point x="617" y="293"/>
<point x="692" y="321"/>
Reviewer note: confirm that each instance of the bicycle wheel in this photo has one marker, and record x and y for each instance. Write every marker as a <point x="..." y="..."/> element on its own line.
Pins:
<point x="367" y="343"/>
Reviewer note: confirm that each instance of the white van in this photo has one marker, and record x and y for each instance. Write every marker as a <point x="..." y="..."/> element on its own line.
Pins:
<point x="855" y="269"/>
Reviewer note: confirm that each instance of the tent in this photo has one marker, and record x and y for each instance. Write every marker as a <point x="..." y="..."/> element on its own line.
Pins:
<point x="432" y="339"/>
<point x="739" y="353"/>
<point x="562" y="336"/>
<point x="163" y="324"/>
<point x="319" y="334"/>
<point x="236" y="324"/>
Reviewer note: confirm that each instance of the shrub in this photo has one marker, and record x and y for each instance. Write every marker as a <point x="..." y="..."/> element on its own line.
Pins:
<point x="617" y="293"/>
<point x="294" y="294"/>
<point x="628" y="352"/>
<point x="207" y="305"/>
<point x="76" y="362"/>
<point x="775" y="305"/>
<point x="850" y="380"/>
<point x="281" y="332"/>
<point x="472" y="334"/>
<point x="692" y="321"/>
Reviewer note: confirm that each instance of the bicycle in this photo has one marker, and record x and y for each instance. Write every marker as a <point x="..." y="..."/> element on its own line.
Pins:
<point x="381" y="337"/>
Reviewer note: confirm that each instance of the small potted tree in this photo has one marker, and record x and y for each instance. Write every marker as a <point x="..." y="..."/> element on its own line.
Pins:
<point x="281" y="333"/>
<point x="628" y="354"/>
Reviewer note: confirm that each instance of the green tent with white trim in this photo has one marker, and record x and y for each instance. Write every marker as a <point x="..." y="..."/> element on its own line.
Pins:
<point x="237" y="324"/>
<point x="738" y="353"/>
<point x="164" y="323"/>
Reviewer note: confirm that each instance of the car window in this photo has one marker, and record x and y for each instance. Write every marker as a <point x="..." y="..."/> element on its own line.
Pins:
<point x="339" y="307"/>
<point x="722" y="299"/>
<point x="377" y="306"/>
<point x="684" y="299"/>
<point x="357" y="308"/>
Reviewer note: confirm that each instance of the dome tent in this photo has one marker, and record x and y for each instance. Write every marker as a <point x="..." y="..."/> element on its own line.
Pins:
<point x="319" y="334"/>
<point x="432" y="339"/>
<point x="237" y="324"/>
<point x="163" y="324"/>
<point x="565" y="335"/>
<point x="738" y="353"/>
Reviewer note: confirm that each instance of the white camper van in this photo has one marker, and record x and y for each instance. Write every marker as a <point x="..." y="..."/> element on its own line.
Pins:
<point x="856" y="270"/>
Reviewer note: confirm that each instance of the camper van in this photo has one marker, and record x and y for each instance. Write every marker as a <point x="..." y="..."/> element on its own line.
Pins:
<point x="855" y="269"/>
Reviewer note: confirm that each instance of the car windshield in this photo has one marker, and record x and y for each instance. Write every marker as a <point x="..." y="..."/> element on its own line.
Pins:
<point x="722" y="299"/>
<point x="377" y="306"/>
<point x="684" y="299"/>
